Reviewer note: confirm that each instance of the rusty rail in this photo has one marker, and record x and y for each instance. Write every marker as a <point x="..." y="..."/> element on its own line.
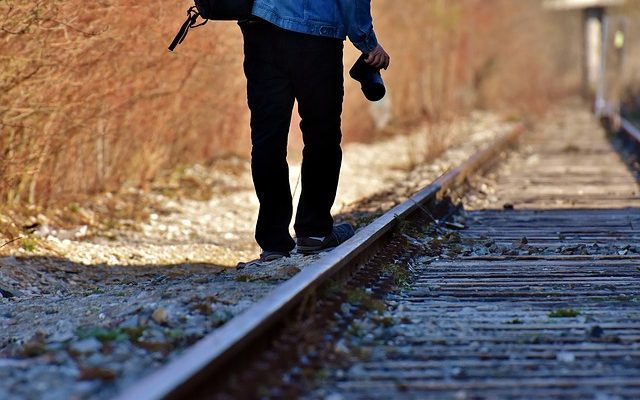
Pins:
<point x="217" y="350"/>
<point x="630" y="130"/>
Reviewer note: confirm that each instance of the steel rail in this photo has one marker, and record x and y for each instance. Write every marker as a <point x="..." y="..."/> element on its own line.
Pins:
<point x="212" y="353"/>
<point x="631" y="130"/>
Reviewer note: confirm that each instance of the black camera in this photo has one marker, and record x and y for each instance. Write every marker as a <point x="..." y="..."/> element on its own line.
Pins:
<point x="370" y="79"/>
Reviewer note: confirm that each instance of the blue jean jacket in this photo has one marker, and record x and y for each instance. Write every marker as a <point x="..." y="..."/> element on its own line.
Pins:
<point x="330" y="18"/>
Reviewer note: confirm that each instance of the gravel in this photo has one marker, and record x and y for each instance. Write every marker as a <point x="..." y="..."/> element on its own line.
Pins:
<point x="88" y="310"/>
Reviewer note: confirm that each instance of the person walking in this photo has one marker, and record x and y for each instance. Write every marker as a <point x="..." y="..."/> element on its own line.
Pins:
<point x="293" y="51"/>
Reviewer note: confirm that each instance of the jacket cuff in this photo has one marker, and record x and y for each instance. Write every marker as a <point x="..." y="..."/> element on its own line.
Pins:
<point x="366" y="42"/>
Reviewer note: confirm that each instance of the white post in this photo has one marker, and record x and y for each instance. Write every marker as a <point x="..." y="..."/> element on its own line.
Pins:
<point x="592" y="49"/>
<point x="601" y="101"/>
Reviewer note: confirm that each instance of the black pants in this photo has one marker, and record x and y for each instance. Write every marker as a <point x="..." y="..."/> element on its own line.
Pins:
<point x="281" y="66"/>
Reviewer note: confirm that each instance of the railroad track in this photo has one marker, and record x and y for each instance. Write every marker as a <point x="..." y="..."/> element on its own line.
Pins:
<point x="515" y="305"/>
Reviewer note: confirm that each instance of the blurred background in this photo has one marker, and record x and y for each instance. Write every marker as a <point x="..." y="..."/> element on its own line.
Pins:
<point x="92" y="101"/>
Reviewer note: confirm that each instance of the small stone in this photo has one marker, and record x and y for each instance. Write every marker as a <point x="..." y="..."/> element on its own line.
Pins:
<point x="455" y="226"/>
<point x="13" y="363"/>
<point x="160" y="316"/>
<point x="221" y="316"/>
<point x="596" y="331"/>
<point x="508" y="206"/>
<point x="286" y="272"/>
<point x="63" y="332"/>
<point x="86" y="346"/>
<point x="61" y="337"/>
<point x="80" y="231"/>
<point x="345" y="308"/>
<point x="131" y="322"/>
<point x="341" y="347"/>
<point x="461" y="395"/>
<point x="566" y="357"/>
<point x="9" y="293"/>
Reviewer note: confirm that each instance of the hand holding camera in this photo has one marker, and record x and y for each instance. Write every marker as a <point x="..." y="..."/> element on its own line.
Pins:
<point x="378" y="58"/>
<point x="367" y="71"/>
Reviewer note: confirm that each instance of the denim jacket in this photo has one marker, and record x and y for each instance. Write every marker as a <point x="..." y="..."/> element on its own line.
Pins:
<point x="330" y="18"/>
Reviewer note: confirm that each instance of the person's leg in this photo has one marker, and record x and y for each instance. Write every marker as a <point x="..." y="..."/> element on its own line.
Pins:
<point x="270" y="97"/>
<point x="319" y="88"/>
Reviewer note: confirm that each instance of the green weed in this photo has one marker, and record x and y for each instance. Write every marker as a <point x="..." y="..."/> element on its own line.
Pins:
<point x="29" y="244"/>
<point x="174" y="334"/>
<point x="355" y="330"/>
<point x="400" y="275"/>
<point x="385" y="321"/>
<point x="564" y="313"/>
<point x="103" y="334"/>
<point x="244" y="278"/>
<point x="361" y="298"/>
<point x="116" y="334"/>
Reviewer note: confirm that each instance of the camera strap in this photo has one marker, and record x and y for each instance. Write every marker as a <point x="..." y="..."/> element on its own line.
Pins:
<point x="191" y="22"/>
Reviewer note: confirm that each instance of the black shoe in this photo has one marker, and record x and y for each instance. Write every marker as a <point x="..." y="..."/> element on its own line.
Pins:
<point x="265" y="257"/>
<point x="268" y="256"/>
<point x="311" y="245"/>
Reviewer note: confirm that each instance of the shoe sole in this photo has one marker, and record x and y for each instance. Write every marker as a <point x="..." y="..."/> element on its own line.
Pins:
<point x="307" y="251"/>
<point x="269" y="259"/>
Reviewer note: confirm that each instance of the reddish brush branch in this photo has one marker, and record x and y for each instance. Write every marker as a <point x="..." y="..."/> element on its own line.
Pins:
<point x="91" y="100"/>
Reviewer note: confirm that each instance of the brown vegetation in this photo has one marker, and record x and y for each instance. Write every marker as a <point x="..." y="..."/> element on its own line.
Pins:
<point x="90" y="100"/>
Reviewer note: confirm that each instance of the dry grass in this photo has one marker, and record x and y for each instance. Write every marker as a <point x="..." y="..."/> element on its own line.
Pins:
<point x="91" y="101"/>
<point x="450" y="57"/>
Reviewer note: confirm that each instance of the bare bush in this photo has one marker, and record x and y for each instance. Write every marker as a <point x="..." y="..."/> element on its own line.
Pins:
<point x="90" y="100"/>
